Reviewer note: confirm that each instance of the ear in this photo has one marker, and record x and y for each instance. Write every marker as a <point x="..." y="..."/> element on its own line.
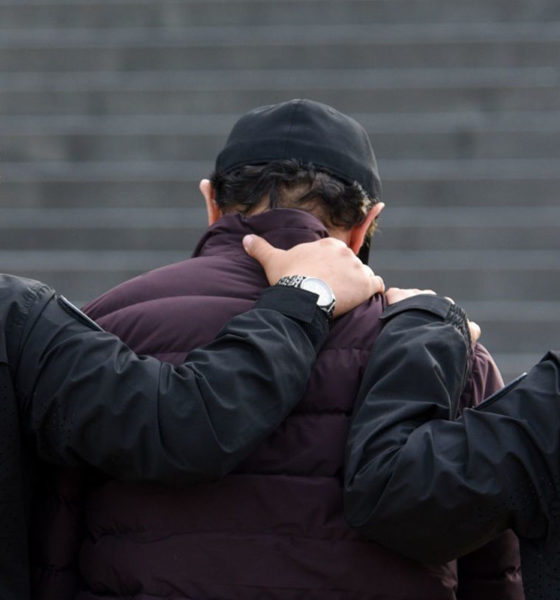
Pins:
<point x="358" y="233"/>
<point x="209" y="194"/>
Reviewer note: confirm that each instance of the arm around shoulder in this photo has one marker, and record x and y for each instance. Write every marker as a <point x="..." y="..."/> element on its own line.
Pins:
<point x="86" y="398"/>
<point x="393" y="489"/>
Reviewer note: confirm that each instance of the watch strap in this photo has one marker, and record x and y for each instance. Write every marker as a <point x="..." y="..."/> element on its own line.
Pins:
<point x="296" y="282"/>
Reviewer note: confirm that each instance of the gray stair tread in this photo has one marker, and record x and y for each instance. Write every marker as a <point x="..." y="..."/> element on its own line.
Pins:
<point x="400" y="97"/>
<point x="421" y="261"/>
<point x="485" y="33"/>
<point x="110" y="113"/>
<point x="403" y="230"/>
<point x="514" y="364"/>
<point x="25" y="191"/>
<point x="395" y="217"/>
<point x="200" y="91"/>
<point x="220" y="124"/>
<point x="418" y="169"/>
<point x="113" y="13"/>
<point x="466" y="145"/>
<point x="279" y="79"/>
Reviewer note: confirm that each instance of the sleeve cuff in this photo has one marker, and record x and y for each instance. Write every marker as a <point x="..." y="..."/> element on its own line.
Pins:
<point x="436" y="305"/>
<point x="299" y="305"/>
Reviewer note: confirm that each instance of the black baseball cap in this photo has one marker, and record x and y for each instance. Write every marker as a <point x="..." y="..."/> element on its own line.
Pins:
<point x="307" y="131"/>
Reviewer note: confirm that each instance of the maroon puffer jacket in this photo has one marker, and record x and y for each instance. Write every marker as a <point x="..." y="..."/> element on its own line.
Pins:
<point x="274" y="528"/>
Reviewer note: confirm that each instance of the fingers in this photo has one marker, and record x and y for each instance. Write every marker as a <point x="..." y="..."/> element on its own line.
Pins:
<point x="259" y="249"/>
<point x="394" y="294"/>
<point x="377" y="284"/>
<point x="475" y="331"/>
<point x="256" y="246"/>
<point x="328" y="259"/>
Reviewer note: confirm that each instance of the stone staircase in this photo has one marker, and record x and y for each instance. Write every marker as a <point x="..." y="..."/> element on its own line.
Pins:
<point x="112" y="110"/>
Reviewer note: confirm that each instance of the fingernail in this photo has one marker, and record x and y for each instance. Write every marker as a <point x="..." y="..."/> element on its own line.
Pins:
<point x="248" y="241"/>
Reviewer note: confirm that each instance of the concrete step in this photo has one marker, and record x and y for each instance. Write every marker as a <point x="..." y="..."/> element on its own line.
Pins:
<point x="464" y="228"/>
<point x="189" y="170"/>
<point x="468" y="275"/>
<point x="82" y="229"/>
<point x="456" y="189"/>
<point x="218" y="124"/>
<point x="83" y="275"/>
<point x="225" y="91"/>
<point x="181" y="13"/>
<point x="513" y="365"/>
<point x="522" y="336"/>
<point x="110" y="113"/>
<point x="270" y="35"/>
<point x="425" y="183"/>
<point x="405" y="229"/>
<point x="171" y="137"/>
<point x="474" y="274"/>
<point x="517" y="333"/>
<point x="279" y="47"/>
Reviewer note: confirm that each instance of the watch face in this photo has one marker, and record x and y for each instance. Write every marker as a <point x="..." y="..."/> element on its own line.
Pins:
<point x="319" y="287"/>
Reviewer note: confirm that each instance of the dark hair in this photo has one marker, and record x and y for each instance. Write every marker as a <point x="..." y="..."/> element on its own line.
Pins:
<point x="292" y="184"/>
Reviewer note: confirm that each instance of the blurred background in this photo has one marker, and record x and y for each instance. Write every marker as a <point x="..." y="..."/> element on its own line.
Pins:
<point x="112" y="110"/>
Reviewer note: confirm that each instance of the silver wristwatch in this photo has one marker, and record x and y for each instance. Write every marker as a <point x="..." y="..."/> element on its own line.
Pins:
<point x="325" y="296"/>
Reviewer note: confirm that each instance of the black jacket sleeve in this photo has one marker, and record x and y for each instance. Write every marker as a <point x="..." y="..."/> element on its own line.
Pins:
<point x="86" y="398"/>
<point x="416" y="373"/>
<point x="433" y="488"/>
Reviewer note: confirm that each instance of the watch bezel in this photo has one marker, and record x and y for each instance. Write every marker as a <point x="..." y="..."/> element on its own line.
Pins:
<point x="309" y="283"/>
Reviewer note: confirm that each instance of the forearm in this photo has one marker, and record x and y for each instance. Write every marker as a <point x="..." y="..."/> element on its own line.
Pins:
<point x="88" y="399"/>
<point x="416" y="374"/>
<point x="432" y="488"/>
<point x="493" y="570"/>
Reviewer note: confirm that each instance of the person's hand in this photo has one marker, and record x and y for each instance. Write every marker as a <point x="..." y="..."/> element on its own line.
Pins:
<point x="475" y="331"/>
<point x="329" y="259"/>
<point x="394" y="295"/>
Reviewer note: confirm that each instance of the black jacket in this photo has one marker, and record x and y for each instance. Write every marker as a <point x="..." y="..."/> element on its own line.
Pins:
<point x="76" y="395"/>
<point x="432" y="487"/>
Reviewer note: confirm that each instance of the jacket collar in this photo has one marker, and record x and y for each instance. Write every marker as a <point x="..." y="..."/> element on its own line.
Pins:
<point x="282" y="227"/>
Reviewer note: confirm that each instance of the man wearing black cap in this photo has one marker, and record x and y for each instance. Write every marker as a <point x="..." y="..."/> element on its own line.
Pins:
<point x="74" y="395"/>
<point x="293" y="172"/>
